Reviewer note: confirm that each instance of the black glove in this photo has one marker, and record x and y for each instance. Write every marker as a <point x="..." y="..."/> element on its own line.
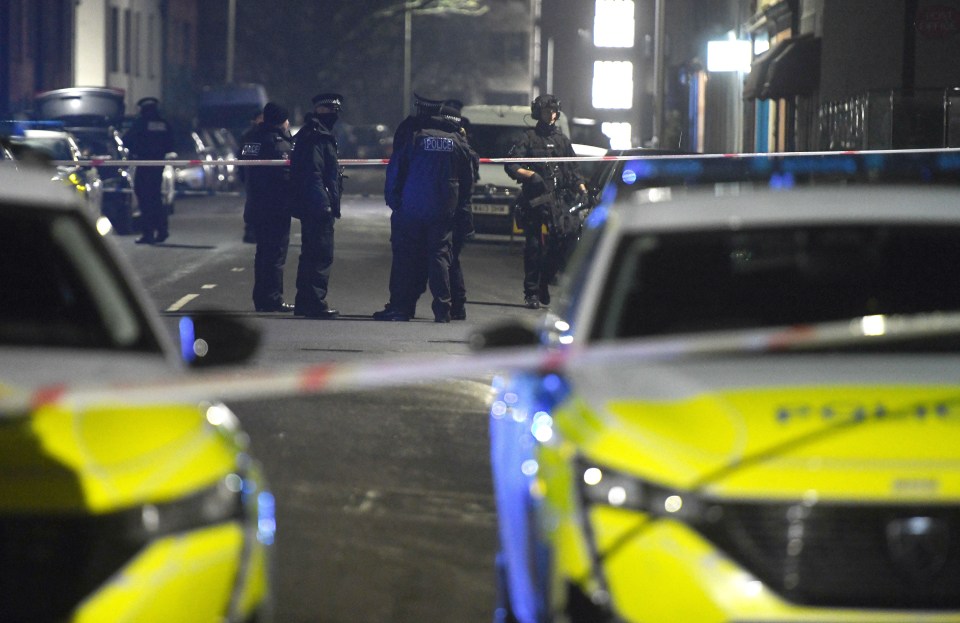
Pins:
<point x="535" y="184"/>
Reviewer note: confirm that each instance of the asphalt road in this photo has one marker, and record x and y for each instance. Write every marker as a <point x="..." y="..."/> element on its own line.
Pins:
<point x="384" y="499"/>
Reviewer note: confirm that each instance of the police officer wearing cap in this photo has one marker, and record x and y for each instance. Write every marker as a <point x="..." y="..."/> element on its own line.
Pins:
<point x="315" y="196"/>
<point x="433" y="179"/>
<point x="267" y="208"/>
<point x="542" y="199"/>
<point x="150" y="138"/>
<point x="424" y="109"/>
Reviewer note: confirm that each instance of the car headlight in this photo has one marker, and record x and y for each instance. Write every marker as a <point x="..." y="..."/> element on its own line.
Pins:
<point x="604" y="486"/>
<point x="219" y="503"/>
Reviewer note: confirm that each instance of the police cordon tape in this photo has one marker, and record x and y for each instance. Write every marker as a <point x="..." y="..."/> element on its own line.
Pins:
<point x="606" y="158"/>
<point x="306" y="380"/>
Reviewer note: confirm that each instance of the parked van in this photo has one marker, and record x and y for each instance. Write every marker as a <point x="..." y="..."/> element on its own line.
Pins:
<point x="231" y="106"/>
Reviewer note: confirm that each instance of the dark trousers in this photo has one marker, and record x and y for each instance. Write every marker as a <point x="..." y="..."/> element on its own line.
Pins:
<point x="424" y="247"/>
<point x="458" y="289"/>
<point x="273" y="240"/>
<point x="541" y="260"/>
<point x="153" y="214"/>
<point x="316" y="258"/>
<point x="404" y="288"/>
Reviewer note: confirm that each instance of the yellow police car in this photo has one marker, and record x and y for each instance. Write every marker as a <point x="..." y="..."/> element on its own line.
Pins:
<point x="754" y="416"/>
<point x="109" y="510"/>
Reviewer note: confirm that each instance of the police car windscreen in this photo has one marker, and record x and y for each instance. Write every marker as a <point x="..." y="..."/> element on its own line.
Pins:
<point x="771" y="277"/>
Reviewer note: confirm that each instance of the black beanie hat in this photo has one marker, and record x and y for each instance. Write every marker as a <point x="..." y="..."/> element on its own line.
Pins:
<point x="274" y="114"/>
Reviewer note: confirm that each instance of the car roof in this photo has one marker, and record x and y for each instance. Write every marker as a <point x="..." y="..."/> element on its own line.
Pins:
<point x="34" y="133"/>
<point x="30" y="186"/>
<point x="726" y="206"/>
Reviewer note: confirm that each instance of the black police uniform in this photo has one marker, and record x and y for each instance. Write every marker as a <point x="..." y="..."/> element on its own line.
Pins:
<point x="150" y="138"/>
<point x="431" y="182"/>
<point x="315" y="188"/>
<point x="268" y="210"/>
<point x="462" y="230"/>
<point x="541" y="204"/>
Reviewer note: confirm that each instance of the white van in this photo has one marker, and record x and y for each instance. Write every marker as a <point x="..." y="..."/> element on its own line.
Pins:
<point x="492" y="130"/>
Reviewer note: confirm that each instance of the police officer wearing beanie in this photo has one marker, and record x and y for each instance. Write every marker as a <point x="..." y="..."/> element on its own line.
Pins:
<point x="267" y="208"/>
<point x="150" y="138"/>
<point x="433" y="179"/>
<point x="541" y="201"/>
<point x="316" y="188"/>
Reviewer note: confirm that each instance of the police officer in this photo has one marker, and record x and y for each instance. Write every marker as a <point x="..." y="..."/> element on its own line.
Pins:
<point x="267" y="208"/>
<point x="249" y="235"/>
<point x="542" y="201"/>
<point x="315" y="187"/>
<point x="424" y="109"/>
<point x="431" y="182"/>
<point x="462" y="231"/>
<point x="150" y="138"/>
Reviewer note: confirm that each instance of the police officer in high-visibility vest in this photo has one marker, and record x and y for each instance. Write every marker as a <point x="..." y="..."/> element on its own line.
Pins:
<point x="268" y="207"/>
<point x="542" y="201"/>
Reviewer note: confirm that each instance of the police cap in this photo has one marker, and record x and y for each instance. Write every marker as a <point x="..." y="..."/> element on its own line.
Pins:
<point x="329" y="100"/>
<point x="148" y="102"/>
<point x="450" y="110"/>
<point x="425" y="106"/>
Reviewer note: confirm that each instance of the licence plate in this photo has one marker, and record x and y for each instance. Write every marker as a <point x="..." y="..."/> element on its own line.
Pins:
<point x="491" y="208"/>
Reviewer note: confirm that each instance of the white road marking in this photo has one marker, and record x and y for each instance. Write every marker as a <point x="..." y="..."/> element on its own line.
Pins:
<point x="183" y="301"/>
<point x="208" y="286"/>
<point x="236" y="270"/>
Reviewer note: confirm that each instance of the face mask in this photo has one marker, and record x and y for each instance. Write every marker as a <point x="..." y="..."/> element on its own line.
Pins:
<point x="328" y="119"/>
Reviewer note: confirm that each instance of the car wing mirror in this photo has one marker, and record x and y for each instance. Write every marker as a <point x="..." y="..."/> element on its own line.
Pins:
<point x="212" y="338"/>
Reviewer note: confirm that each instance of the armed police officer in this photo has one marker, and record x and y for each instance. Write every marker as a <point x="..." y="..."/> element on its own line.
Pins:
<point x="267" y="209"/>
<point x="432" y="181"/>
<point x="315" y="194"/>
<point x="150" y="138"/>
<point x="549" y="189"/>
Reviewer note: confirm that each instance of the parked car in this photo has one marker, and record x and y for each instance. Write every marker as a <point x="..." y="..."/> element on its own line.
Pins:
<point x="195" y="178"/>
<point x="224" y="147"/>
<point x="95" y="116"/>
<point x="750" y="412"/>
<point x="116" y="511"/>
<point x="44" y="147"/>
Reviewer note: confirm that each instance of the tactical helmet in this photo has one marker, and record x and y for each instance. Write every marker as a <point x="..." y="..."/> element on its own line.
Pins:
<point x="544" y="102"/>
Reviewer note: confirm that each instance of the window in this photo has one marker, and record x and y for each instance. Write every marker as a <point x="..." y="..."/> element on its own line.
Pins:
<point x="136" y="43"/>
<point x="620" y="134"/>
<point x="127" y="41"/>
<point x="151" y="26"/>
<point x="613" y="84"/>
<point x="613" y="24"/>
<point x="114" y="39"/>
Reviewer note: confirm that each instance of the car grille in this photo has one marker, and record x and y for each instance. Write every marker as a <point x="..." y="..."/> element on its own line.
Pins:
<point x="50" y="564"/>
<point x="846" y="556"/>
